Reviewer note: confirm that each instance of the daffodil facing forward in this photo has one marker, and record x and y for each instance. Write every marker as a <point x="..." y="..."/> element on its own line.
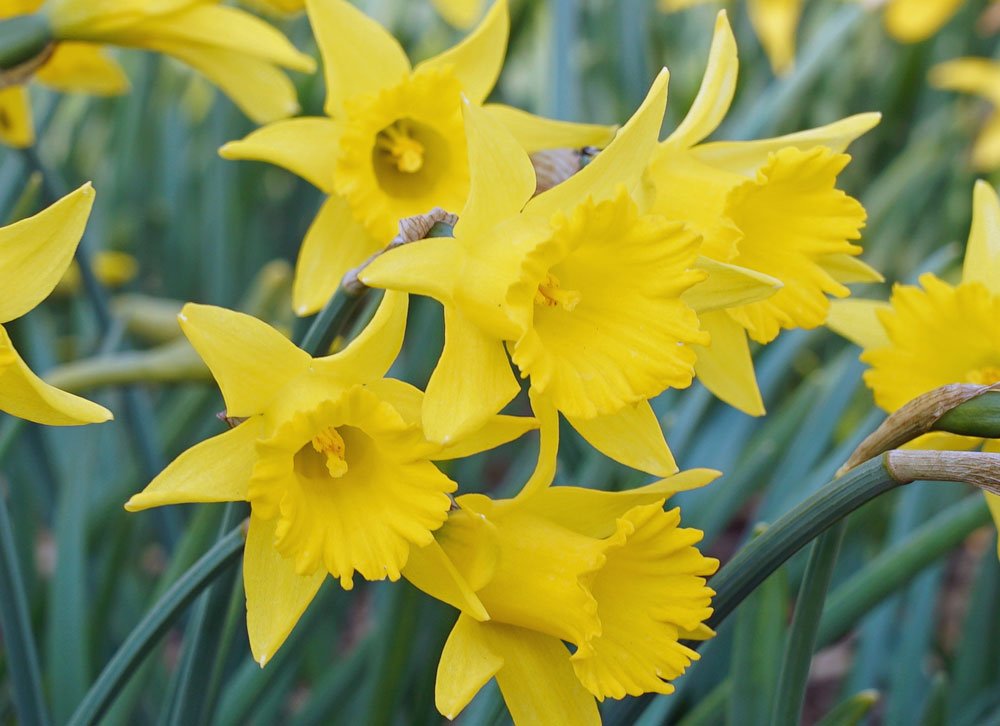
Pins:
<point x="393" y="142"/>
<point x="771" y="206"/>
<point x="934" y="334"/>
<point x="235" y="50"/>
<point x="331" y="457"/>
<point x="979" y="77"/>
<point x="34" y="255"/>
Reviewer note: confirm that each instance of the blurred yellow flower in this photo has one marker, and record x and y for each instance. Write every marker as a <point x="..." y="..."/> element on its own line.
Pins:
<point x="935" y="334"/>
<point x="981" y="77"/>
<point x="34" y="254"/>
<point x="393" y="144"/>
<point x="331" y="458"/>
<point x="113" y="269"/>
<point x="911" y="21"/>
<point x="460" y="13"/>
<point x="771" y="206"/>
<point x="237" y="51"/>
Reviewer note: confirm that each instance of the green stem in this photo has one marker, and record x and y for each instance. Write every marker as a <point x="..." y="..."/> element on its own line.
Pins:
<point x="151" y="628"/>
<point x="330" y="321"/>
<point x="21" y="655"/>
<point x="22" y="38"/>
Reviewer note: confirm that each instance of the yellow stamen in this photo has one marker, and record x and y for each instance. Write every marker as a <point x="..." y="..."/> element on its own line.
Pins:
<point x="331" y="444"/>
<point x="985" y="376"/>
<point x="550" y="294"/>
<point x="406" y="151"/>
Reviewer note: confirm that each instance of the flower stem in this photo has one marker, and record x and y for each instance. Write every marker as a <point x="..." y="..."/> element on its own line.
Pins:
<point x="22" y="38"/>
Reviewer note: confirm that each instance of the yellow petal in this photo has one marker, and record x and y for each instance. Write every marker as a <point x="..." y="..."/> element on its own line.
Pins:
<point x="216" y="470"/>
<point x="467" y="664"/>
<point x="982" y="251"/>
<point x="858" y="321"/>
<point x="847" y="269"/>
<point x="369" y="356"/>
<point x="251" y="361"/>
<point x="477" y="60"/>
<point x="305" y="146"/>
<point x="746" y="157"/>
<point x="335" y="243"/>
<point x="16" y="127"/>
<point x="460" y="13"/>
<point x="622" y="163"/>
<point x="536" y="133"/>
<point x="83" y="67"/>
<point x="25" y="395"/>
<point x="728" y="286"/>
<point x="498" y="430"/>
<point x="993" y="502"/>
<point x="457" y="403"/>
<point x="978" y="76"/>
<point x="548" y="445"/>
<point x="427" y="267"/>
<point x="775" y="21"/>
<point x="986" y="150"/>
<point x="430" y="570"/>
<point x="717" y="88"/>
<point x="276" y="594"/>
<point x="914" y="20"/>
<point x="631" y="436"/>
<point x="35" y="252"/>
<point x="359" y="55"/>
<point x="725" y="367"/>
<point x="502" y="177"/>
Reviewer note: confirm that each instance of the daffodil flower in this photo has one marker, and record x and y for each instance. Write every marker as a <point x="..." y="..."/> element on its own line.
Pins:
<point x="331" y="457"/>
<point x="910" y="21"/>
<point x="771" y="206"/>
<point x="934" y="334"/>
<point x="393" y="142"/>
<point x="980" y="77"/>
<point x="34" y="254"/>
<point x="235" y="50"/>
<point x="611" y="574"/>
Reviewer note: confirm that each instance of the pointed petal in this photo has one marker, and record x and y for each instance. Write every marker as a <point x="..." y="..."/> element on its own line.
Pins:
<point x="305" y="146"/>
<point x="35" y="252"/>
<point x="978" y="76"/>
<point x="359" y="55"/>
<point x="472" y="381"/>
<point x="427" y="267"/>
<point x="848" y="269"/>
<point x="717" y="88"/>
<point x="502" y="177"/>
<point x="498" y="430"/>
<point x="16" y="126"/>
<point x="216" y="470"/>
<point x="725" y="367"/>
<point x="631" y="436"/>
<point x="251" y="361"/>
<point x="430" y="570"/>
<point x="536" y="133"/>
<point x="548" y="445"/>
<point x="621" y="163"/>
<point x="25" y="395"/>
<point x="477" y="60"/>
<point x="746" y="157"/>
<point x="914" y="20"/>
<point x="276" y="595"/>
<point x="728" y="286"/>
<point x="467" y="664"/>
<point x="82" y="67"/>
<point x="775" y="22"/>
<point x="370" y="355"/>
<point x="982" y="251"/>
<point x="857" y="320"/>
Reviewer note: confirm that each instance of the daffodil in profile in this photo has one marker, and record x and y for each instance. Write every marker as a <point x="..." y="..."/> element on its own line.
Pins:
<point x="240" y="53"/>
<point x="34" y="255"/>
<point x="393" y="142"/>
<point x="979" y="77"/>
<point x="935" y="333"/>
<point x="771" y="206"/>
<point x="330" y="456"/>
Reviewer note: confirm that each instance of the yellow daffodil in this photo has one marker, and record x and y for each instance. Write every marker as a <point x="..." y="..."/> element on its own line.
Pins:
<point x="237" y="51"/>
<point x="460" y="13"/>
<point x="331" y="458"/>
<point x="980" y="77"/>
<point x="911" y="21"/>
<point x="611" y="574"/>
<point x="393" y="142"/>
<point x="34" y="254"/>
<point x="771" y="206"/>
<point x="936" y="333"/>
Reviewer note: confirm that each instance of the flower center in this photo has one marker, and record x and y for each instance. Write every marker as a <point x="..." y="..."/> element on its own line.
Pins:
<point x="985" y="376"/>
<point x="550" y="294"/>
<point x="398" y="142"/>
<point x="330" y="444"/>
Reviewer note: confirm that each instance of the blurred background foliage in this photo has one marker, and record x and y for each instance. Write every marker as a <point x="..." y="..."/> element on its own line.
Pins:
<point x="909" y="633"/>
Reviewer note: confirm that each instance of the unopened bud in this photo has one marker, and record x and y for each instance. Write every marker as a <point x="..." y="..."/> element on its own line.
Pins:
<point x="26" y="44"/>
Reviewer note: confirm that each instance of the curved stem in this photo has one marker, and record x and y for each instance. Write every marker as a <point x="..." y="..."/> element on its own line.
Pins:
<point x="23" y="38"/>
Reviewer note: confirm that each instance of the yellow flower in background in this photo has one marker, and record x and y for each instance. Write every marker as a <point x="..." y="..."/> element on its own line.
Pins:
<point x="771" y="206"/>
<point x="980" y="77"/>
<point x="238" y="52"/>
<point x="911" y="21"/>
<point x="460" y="13"/>
<point x="936" y="333"/>
<point x="280" y="7"/>
<point x="112" y="269"/>
<point x="34" y="254"/>
<point x="393" y="142"/>
<point x="611" y="574"/>
<point x="331" y="457"/>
